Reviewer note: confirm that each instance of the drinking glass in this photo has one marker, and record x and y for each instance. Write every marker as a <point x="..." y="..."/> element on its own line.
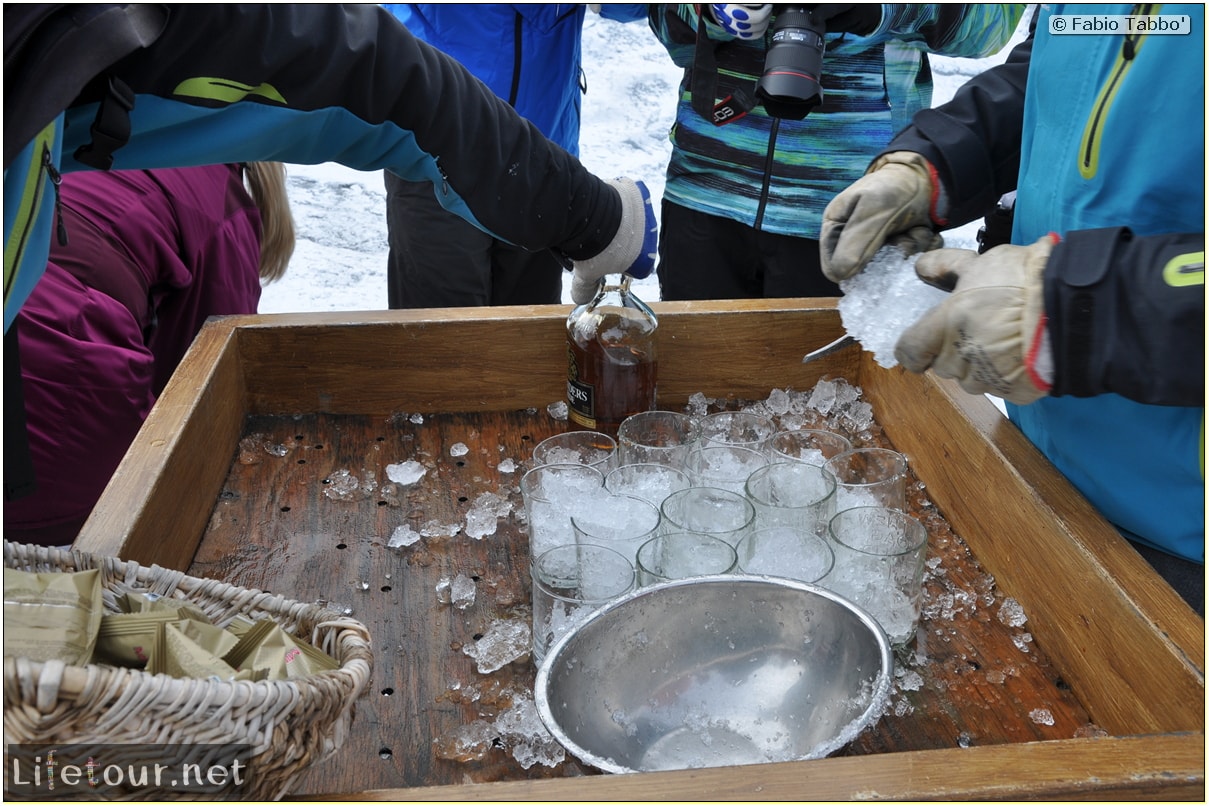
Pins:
<point x="879" y="564"/>
<point x="743" y="428"/>
<point x="590" y="448"/>
<point x="648" y="480"/>
<point x="569" y="583"/>
<point x="792" y="494"/>
<point x="869" y="477"/>
<point x="786" y="551"/>
<point x="681" y="555"/>
<point x="551" y="493"/>
<point x="811" y="445"/>
<point x="659" y="437"/>
<point x="620" y="522"/>
<point x="724" y="466"/>
<point x="720" y="513"/>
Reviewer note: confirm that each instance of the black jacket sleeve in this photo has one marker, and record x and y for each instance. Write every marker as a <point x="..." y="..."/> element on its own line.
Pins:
<point x="974" y="139"/>
<point x="318" y="82"/>
<point x="1127" y="316"/>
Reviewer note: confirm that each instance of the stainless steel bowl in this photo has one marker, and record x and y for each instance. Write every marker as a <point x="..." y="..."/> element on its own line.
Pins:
<point x="715" y="671"/>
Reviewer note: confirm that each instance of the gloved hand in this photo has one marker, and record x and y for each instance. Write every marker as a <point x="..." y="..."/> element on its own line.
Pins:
<point x="896" y="202"/>
<point x="633" y="248"/>
<point x="991" y="334"/>
<point x="742" y="21"/>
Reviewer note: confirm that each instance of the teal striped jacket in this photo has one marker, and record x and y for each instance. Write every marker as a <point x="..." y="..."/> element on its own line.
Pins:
<point x="776" y="174"/>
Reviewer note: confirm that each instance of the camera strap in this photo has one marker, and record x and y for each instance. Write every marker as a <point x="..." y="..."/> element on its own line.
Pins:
<point x="703" y="86"/>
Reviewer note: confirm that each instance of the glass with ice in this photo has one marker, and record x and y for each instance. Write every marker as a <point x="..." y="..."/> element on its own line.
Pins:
<point x="786" y="551"/>
<point x="879" y="565"/>
<point x="551" y="494"/>
<point x="869" y="477"/>
<point x="728" y="467"/>
<point x="578" y="447"/>
<point x="569" y="583"/>
<point x="792" y="494"/>
<point x="648" y="480"/>
<point x="810" y="445"/>
<point x="713" y="511"/>
<point x="659" y="437"/>
<point x="620" y="522"/>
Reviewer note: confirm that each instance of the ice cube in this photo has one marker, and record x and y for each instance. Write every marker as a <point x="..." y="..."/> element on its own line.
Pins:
<point x="406" y="473"/>
<point x="502" y="643"/>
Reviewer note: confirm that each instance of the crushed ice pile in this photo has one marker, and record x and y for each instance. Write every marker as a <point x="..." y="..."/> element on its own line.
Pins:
<point x="883" y="300"/>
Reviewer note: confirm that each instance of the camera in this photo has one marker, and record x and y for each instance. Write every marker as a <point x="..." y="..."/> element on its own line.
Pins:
<point x="789" y="86"/>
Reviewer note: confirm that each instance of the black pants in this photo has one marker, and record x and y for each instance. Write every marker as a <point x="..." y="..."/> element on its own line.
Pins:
<point x="707" y="257"/>
<point x="1187" y="577"/>
<point x="439" y="260"/>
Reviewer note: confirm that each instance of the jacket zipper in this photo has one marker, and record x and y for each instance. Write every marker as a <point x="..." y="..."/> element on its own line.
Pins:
<point x="56" y="179"/>
<point x="518" y="30"/>
<point x="41" y="170"/>
<point x="1089" y="147"/>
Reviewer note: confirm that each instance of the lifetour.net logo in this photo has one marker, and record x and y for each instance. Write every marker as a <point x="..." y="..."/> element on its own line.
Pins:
<point x="109" y="771"/>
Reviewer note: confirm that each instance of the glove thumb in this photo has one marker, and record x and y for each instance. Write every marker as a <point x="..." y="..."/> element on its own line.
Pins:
<point x="942" y="268"/>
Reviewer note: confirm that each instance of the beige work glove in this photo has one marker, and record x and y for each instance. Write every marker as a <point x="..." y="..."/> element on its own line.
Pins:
<point x="893" y="203"/>
<point x="990" y="334"/>
<point x="632" y="250"/>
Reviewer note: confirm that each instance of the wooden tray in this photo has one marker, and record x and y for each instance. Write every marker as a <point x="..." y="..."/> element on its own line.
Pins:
<point x="1115" y="656"/>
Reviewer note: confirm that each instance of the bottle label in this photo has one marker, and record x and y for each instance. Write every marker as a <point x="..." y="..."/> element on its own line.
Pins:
<point x="579" y="404"/>
<point x="581" y="397"/>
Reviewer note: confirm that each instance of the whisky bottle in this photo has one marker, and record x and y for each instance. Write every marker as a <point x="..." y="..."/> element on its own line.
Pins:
<point x="611" y="362"/>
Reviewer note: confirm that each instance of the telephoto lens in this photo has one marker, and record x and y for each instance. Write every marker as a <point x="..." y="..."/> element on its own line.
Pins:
<point x="789" y="87"/>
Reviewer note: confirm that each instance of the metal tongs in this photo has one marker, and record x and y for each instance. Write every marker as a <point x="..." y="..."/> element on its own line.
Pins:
<point x="827" y="349"/>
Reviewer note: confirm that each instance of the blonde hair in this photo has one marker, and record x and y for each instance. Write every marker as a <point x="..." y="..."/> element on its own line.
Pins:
<point x="266" y="184"/>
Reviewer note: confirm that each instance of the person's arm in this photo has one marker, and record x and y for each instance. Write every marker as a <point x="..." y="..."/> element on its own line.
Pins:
<point x="947" y="168"/>
<point x="311" y="83"/>
<point x="973" y="141"/>
<point x="1085" y="313"/>
<point x="1126" y="315"/>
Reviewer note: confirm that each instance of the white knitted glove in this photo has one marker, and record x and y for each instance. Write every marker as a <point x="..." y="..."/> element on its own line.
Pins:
<point x="633" y="248"/>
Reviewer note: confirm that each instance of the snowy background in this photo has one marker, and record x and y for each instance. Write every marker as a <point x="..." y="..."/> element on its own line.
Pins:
<point x="339" y="262"/>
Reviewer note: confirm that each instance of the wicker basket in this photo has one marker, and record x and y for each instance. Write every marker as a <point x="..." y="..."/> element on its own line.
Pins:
<point x="287" y="725"/>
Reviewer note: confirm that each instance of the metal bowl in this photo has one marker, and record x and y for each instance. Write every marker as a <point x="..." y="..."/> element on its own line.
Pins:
<point x="715" y="671"/>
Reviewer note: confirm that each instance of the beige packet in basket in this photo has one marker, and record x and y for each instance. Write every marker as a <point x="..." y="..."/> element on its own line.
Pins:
<point x="148" y="602"/>
<point x="266" y="647"/>
<point x="192" y="649"/>
<point x="52" y="616"/>
<point x="128" y="639"/>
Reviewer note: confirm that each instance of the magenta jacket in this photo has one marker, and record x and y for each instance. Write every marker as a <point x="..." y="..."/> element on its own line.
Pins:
<point x="150" y="255"/>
